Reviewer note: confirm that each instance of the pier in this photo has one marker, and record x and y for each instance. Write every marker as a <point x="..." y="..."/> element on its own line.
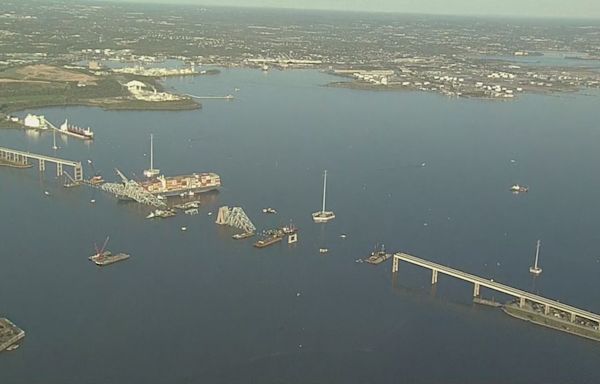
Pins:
<point x="22" y="159"/>
<point x="524" y="299"/>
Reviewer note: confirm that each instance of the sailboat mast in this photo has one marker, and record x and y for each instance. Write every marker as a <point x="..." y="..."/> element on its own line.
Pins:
<point x="151" y="151"/>
<point x="324" y="189"/>
<point x="537" y="254"/>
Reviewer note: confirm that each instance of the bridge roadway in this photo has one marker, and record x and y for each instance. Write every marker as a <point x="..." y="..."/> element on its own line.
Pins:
<point x="479" y="282"/>
<point x="21" y="157"/>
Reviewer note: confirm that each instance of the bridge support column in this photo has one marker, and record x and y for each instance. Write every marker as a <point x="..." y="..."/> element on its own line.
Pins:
<point x="546" y="309"/>
<point x="521" y="302"/>
<point x="395" y="264"/>
<point x="42" y="165"/>
<point x="78" y="172"/>
<point x="434" y="276"/>
<point x="59" y="169"/>
<point x="476" y="288"/>
<point x="572" y="317"/>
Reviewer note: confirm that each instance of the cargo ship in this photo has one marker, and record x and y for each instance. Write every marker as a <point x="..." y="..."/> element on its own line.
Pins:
<point x="183" y="184"/>
<point x="75" y="131"/>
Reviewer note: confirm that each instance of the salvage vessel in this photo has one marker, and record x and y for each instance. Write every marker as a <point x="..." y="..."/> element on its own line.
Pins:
<point x="102" y="257"/>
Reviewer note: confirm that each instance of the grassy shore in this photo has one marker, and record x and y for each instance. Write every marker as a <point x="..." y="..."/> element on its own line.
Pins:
<point x="50" y="86"/>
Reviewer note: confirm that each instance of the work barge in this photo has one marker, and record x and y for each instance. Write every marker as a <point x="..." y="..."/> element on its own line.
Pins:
<point x="525" y="306"/>
<point x="10" y="334"/>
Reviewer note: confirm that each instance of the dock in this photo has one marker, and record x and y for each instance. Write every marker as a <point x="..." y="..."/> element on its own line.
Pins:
<point x="10" y="334"/>
<point x="526" y="305"/>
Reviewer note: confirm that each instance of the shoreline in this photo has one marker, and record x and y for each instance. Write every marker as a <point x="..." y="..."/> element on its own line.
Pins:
<point x="112" y="105"/>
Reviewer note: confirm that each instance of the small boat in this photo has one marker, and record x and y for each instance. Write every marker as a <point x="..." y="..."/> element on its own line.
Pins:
<point x="191" y="211"/>
<point x="269" y="210"/>
<point x="46" y="193"/>
<point x="343" y="236"/>
<point x="323" y="250"/>
<point x="245" y="235"/>
<point x="516" y="188"/>
<point x="184" y="228"/>
<point x="92" y="201"/>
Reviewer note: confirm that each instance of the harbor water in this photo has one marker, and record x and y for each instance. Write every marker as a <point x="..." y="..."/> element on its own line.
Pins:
<point x="418" y="172"/>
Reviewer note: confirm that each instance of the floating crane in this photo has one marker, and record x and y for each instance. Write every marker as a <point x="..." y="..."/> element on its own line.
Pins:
<point x="535" y="269"/>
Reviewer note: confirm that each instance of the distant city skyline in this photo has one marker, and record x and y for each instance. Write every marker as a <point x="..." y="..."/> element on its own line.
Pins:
<point x="518" y="8"/>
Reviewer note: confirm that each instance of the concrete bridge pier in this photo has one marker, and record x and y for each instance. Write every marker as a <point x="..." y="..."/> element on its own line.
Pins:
<point x="476" y="288"/>
<point x="59" y="169"/>
<point x="395" y="262"/>
<point x="521" y="302"/>
<point x="434" y="276"/>
<point x="42" y="165"/>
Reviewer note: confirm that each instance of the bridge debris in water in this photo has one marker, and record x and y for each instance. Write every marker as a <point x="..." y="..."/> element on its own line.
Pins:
<point x="235" y="217"/>
<point x="132" y="190"/>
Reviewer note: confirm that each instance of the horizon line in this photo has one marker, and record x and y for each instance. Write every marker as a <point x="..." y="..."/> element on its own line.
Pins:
<point x="357" y="11"/>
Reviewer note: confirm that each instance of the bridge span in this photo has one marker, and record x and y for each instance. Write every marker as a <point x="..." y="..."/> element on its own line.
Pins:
<point x="22" y="158"/>
<point x="478" y="282"/>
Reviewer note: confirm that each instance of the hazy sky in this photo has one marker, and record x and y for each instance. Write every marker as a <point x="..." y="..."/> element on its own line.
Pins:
<point x="526" y="8"/>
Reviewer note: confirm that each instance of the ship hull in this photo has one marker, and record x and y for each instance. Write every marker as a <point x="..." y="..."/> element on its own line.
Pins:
<point x="77" y="135"/>
<point x="193" y="190"/>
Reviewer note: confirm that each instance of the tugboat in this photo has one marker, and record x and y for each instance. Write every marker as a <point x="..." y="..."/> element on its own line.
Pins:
<point x="378" y="257"/>
<point x="516" y="188"/>
<point x="102" y="257"/>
